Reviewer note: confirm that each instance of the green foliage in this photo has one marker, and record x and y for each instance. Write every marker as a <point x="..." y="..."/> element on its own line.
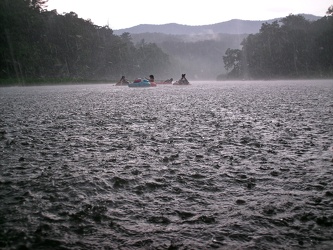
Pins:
<point x="232" y="60"/>
<point x="40" y="44"/>
<point x="294" y="48"/>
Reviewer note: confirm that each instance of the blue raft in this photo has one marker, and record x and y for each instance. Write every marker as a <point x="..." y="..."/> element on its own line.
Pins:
<point x="141" y="83"/>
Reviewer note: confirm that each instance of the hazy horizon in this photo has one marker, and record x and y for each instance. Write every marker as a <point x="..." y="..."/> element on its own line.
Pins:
<point x="127" y="13"/>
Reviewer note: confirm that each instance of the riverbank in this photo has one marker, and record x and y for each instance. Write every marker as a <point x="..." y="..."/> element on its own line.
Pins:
<point x="50" y="81"/>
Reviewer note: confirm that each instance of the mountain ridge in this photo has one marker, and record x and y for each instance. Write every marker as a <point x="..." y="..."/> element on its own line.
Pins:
<point x="233" y="26"/>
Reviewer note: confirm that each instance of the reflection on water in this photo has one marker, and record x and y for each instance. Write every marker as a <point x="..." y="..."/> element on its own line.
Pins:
<point x="213" y="165"/>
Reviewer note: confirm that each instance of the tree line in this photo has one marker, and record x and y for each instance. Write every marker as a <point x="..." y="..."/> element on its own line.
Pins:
<point x="293" y="48"/>
<point x="41" y="45"/>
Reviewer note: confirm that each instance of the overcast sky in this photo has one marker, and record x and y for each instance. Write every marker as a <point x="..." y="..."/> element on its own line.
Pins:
<point x="119" y="14"/>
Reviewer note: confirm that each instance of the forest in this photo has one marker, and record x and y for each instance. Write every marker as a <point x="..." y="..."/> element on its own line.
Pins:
<point x="41" y="46"/>
<point x="291" y="48"/>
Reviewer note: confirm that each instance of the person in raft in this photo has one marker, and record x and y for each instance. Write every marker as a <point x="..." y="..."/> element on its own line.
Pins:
<point x="169" y="80"/>
<point x="183" y="80"/>
<point x="123" y="80"/>
<point x="151" y="78"/>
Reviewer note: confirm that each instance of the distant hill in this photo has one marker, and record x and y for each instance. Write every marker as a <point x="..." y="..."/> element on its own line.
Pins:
<point x="234" y="26"/>
<point x="197" y="50"/>
<point x="232" y="39"/>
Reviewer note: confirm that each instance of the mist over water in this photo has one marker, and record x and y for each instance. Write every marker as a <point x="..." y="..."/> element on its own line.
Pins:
<point x="212" y="165"/>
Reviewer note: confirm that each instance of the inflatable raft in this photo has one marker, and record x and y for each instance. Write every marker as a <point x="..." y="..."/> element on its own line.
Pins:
<point x="141" y="83"/>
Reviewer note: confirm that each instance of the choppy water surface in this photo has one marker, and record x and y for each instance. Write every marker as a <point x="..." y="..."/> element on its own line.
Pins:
<point x="242" y="165"/>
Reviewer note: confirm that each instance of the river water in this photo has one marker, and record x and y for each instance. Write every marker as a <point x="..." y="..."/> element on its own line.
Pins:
<point x="213" y="165"/>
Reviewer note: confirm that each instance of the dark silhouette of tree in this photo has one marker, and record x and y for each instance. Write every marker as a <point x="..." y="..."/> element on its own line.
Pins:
<point x="39" y="44"/>
<point x="330" y="11"/>
<point x="232" y="60"/>
<point x="294" y="48"/>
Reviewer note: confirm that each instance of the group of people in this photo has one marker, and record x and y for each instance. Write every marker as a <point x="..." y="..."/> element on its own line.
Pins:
<point x="181" y="81"/>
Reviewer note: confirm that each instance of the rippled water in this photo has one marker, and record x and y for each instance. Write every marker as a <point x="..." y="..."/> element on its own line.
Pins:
<point x="213" y="165"/>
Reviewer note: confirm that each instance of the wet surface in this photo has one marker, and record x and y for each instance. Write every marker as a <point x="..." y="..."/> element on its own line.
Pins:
<point x="243" y="165"/>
